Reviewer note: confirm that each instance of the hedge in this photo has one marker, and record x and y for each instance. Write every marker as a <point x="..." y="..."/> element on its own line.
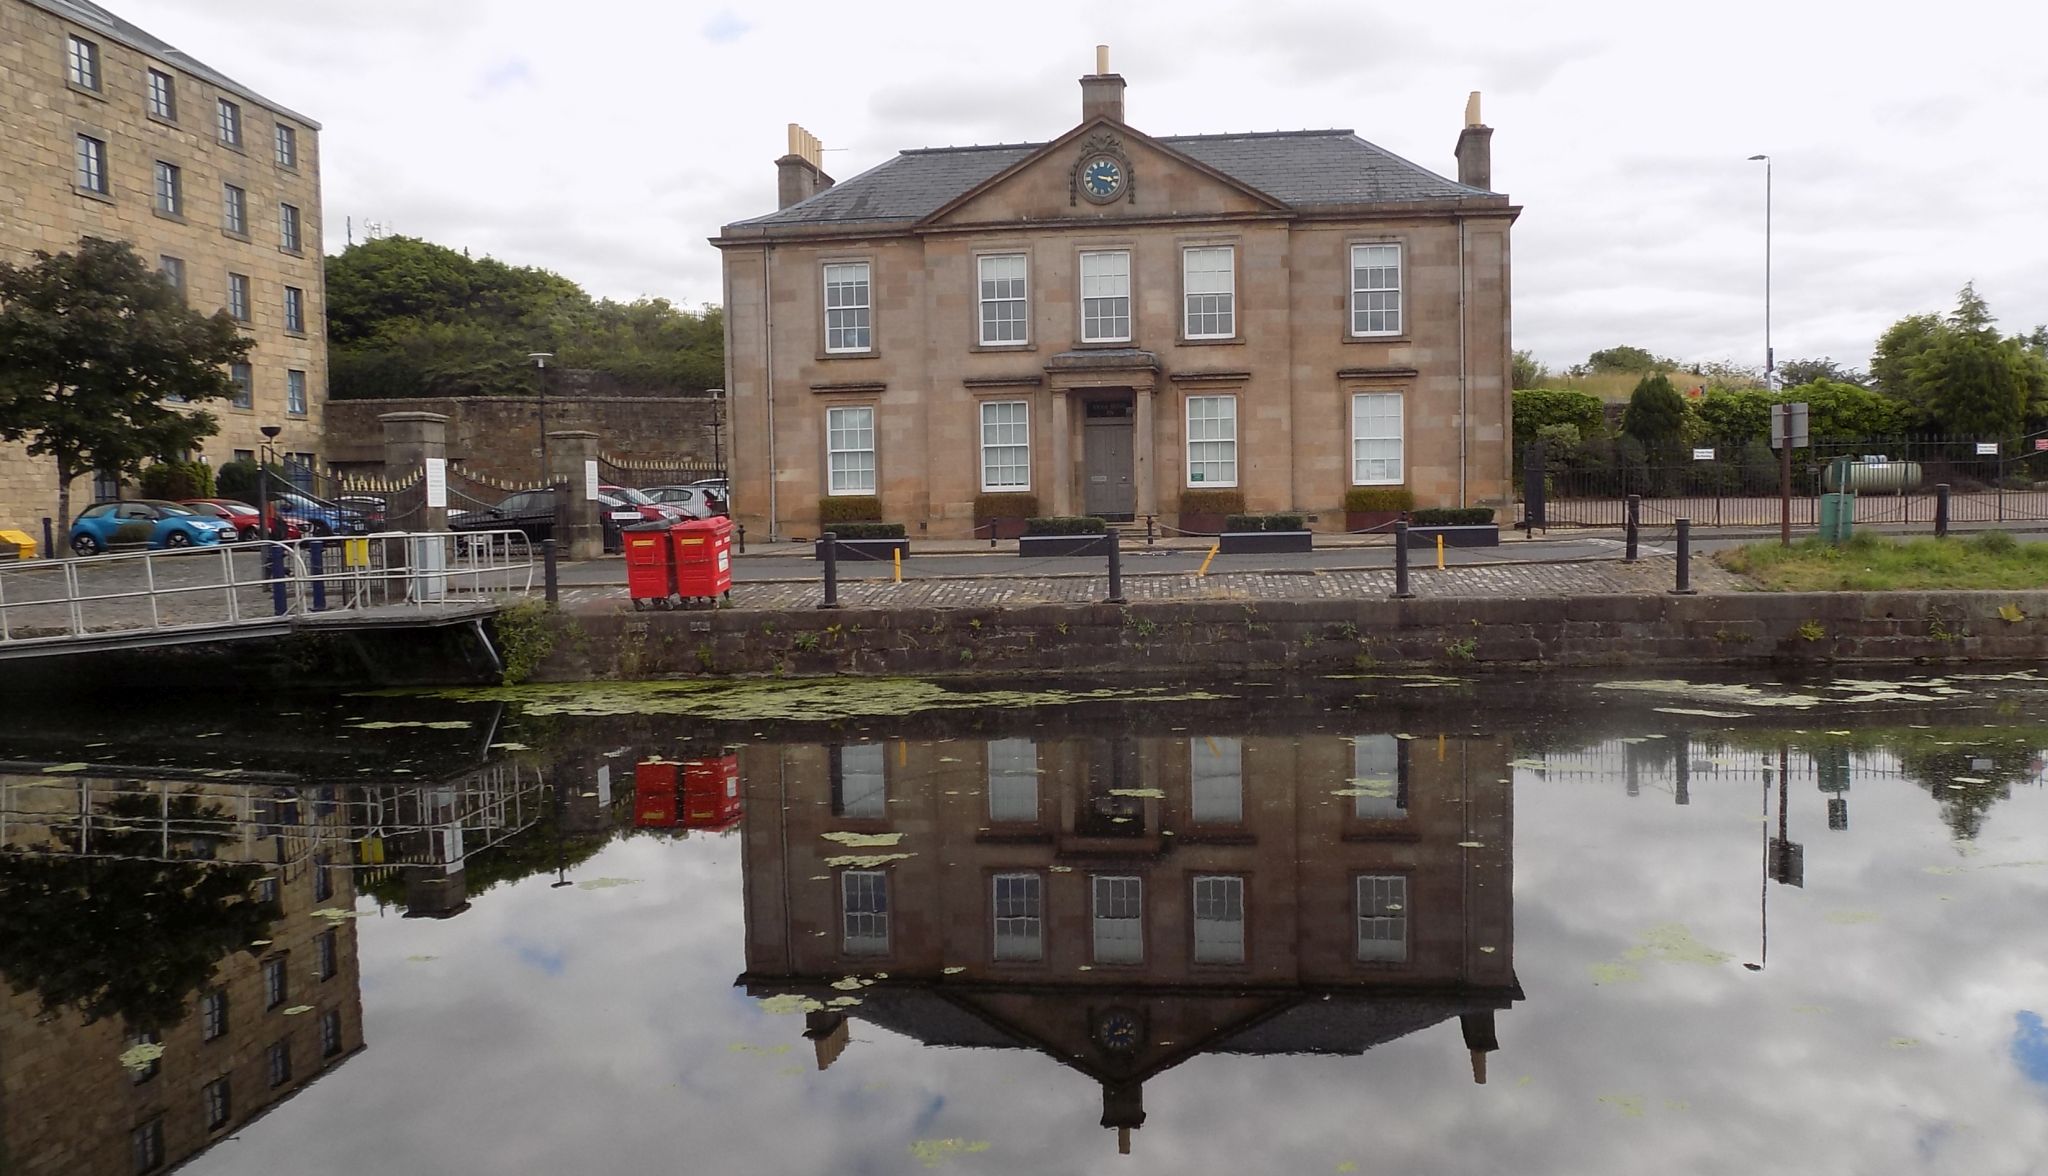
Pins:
<point x="1452" y="516"/>
<point x="1241" y="523"/>
<point x="177" y="480"/>
<point x="1066" y="525"/>
<point x="867" y="530"/>
<point x="1361" y="499"/>
<point x="849" y="508"/>
<point x="1223" y="502"/>
<point x="1005" y="506"/>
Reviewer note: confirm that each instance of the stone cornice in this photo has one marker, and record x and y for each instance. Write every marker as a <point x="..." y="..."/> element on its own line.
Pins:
<point x="1378" y="373"/>
<point x="1028" y="379"/>
<point x="851" y="386"/>
<point x="1210" y="377"/>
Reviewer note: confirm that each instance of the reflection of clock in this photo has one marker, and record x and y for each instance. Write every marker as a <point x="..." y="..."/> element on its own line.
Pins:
<point x="1118" y="1030"/>
<point x="1102" y="179"/>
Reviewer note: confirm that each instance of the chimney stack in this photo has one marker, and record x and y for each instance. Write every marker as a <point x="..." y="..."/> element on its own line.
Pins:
<point x="1102" y="92"/>
<point x="1475" y="148"/>
<point x="798" y="176"/>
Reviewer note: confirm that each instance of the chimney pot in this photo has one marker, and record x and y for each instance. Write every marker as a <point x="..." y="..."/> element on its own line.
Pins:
<point x="798" y="175"/>
<point x="1475" y="148"/>
<point x="1102" y="92"/>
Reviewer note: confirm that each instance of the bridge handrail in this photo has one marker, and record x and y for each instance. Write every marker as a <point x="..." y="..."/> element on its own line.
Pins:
<point x="417" y="568"/>
<point x="76" y="595"/>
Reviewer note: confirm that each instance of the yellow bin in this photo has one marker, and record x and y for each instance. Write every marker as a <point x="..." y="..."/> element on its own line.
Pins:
<point x="16" y="545"/>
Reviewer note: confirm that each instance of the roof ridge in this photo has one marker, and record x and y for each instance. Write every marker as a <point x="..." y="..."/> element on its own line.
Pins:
<point x="971" y="147"/>
<point x="1301" y="134"/>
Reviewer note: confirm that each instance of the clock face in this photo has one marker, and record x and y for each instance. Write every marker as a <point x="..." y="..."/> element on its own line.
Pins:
<point x="1118" y="1030"/>
<point x="1102" y="178"/>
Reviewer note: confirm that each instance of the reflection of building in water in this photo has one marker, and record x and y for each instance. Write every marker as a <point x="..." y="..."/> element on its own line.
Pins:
<point x="1126" y="904"/>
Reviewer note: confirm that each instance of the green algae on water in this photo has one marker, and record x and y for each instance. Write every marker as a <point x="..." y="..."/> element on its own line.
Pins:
<point x="801" y="701"/>
<point x="933" y="1152"/>
<point x="863" y="840"/>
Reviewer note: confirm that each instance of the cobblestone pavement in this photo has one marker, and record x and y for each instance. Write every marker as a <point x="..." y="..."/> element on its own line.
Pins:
<point x="1556" y="579"/>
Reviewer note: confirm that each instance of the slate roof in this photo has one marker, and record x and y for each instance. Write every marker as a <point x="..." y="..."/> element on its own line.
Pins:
<point x="98" y="19"/>
<point x="1297" y="168"/>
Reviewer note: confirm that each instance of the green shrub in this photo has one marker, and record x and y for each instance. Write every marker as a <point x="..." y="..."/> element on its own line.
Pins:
<point x="867" y="530"/>
<point x="1453" y="516"/>
<point x="1066" y="525"/>
<point x="1995" y="542"/>
<point x="1360" y="499"/>
<point x="177" y="479"/>
<point x="237" y="479"/>
<point x="1538" y="408"/>
<point x="1269" y="522"/>
<point x="1223" y="502"/>
<point x="849" y="508"/>
<point x="1005" y="506"/>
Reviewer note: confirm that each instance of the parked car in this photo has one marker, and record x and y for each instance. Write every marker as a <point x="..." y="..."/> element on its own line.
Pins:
<point x="146" y="522"/>
<point x="617" y="500"/>
<point x="247" y="523"/>
<point x="373" y="508"/>
<point x="699" y="502"/>
<point x="531" y="512"/>
<point x="317" y="517"/>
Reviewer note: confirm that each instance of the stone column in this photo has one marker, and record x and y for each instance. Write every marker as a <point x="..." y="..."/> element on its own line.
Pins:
<point x="1062" y="457"/>
<point x="578" y="532"/>
<point x="410" y="438"/>
<point x="1141" y="451"/>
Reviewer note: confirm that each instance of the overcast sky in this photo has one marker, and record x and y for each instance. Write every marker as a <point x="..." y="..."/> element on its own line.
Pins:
<point x="607" y="139"/>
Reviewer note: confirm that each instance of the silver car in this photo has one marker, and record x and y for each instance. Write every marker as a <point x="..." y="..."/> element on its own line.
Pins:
<point x="699" y="502"/>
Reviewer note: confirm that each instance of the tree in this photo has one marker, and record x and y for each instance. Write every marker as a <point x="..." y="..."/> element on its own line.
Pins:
<point x="1527" y="371"/>
<point x="1626" y="359"/>
<point x="100" y="361"/>
<point x="1656" y="415"/>
<point x="1976" y="383"/>
<point x="1794" y="372"/>
<point x="1896" y="349"/>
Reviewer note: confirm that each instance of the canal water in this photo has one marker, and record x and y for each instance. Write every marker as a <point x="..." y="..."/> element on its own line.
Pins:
<point x="1362" y="924"/>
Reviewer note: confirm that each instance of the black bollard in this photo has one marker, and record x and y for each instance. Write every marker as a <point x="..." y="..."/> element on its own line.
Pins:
<point x="831" y="541"/>
<point x="273" y="567"/>
<point x="1401" y="591"/>
<point x="742" y="529"/>
<point x="49" y="544"/>
<point x="1684" y="587"/>
<point x="1116" y="569"/>
<point x="1148" y="530"/>
<point x="1941" y="511"/>
<point x="550" y="572"/>
<point x="1634" y="525"/>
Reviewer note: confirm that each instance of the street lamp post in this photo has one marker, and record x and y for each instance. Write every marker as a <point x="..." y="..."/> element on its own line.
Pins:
<point x="540" y="360"/>
<point x="1770" y="356"/>
<point x="265" y="454"/>
<point x="717" y="427"/>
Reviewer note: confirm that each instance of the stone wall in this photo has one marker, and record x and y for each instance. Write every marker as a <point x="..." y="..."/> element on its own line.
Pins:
<point x="500" y="436"/>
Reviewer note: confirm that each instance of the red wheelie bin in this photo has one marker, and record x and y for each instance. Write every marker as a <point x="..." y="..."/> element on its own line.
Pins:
<point x="650" y="565"/>
<point x="703" y="560"/>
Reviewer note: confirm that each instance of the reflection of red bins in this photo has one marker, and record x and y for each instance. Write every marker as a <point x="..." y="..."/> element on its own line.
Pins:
<point x="654" y="795"/>
<point x="703" y="558"/>
<point x="711" y="792"/>
<point x="650" y="567"/>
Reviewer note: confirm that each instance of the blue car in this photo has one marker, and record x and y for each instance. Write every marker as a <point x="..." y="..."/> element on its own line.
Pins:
<point x="318" y="517"/>
<point x="146" y="522"/>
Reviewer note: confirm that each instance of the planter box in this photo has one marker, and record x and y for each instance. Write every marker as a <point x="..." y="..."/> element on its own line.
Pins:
<point x="882" y="549"/>
<point x="1038" y="546"/>
<point x="999" y="528"/>
<point x="1481" y="536"/>
<point x="1264" y="542"/>
<point x="1202" y="522"/>
<point x="1381" y="521"/>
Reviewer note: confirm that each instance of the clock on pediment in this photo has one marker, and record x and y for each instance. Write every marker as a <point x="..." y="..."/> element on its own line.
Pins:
<point x="1118" y="1030"/>
<point x="1102" y="173"/>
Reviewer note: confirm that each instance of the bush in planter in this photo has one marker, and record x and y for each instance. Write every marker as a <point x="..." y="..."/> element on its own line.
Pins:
<point x="866" y="530"/>
<point x="1005" y="506"/>
<point x="1222" y="502"/>
<point x="1453" y="516"/>
<point x="848" y="508"/>
<point x="1272" y="522"/>
<point x="1066" y="525"/>
<point x="1378" y="499"/>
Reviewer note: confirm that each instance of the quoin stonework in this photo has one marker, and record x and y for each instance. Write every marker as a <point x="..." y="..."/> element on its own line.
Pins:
<point x="1108" y="320"/>
<point x="112" y="133"/>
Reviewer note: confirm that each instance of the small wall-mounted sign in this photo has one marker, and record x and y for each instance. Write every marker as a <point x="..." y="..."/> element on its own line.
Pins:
<point x="1703" y="455"/>
<point x="1987" y="449"/>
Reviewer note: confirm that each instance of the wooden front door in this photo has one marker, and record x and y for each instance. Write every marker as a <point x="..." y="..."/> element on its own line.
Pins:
<point x="1108" y="488"/>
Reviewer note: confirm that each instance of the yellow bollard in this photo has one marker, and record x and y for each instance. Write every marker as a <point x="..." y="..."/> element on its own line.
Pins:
<point x="1204" y="570"/>
<point x="1439" y="553"/>
<point x="897" y="556"/>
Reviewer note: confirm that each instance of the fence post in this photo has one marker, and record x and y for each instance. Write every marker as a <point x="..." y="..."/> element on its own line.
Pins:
<point x="1941" y="510"/>
<point x="1633" y="525"/>
<point x="1401" y="591"/>
<point x="830" y="539"/>
<point x="551" y="580"/>
<point x="316" y="553"/>
<point x="1684" y="587"/>
<point x="1116" y="569"/>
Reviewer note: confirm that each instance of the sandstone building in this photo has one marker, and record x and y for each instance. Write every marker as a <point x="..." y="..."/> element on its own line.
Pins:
<point x="1109" y="319"/>
<point x="112" y="133"/>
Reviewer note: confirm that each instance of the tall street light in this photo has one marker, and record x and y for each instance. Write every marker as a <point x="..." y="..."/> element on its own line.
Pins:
<point x="1770" y="357"/>
<point x="540" y="360"/>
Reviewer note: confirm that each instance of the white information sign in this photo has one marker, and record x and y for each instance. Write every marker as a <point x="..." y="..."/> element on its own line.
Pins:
<point x="590" y="480"/>
<point x="437" y="483"/>
<point x="1987" y="449"/>
<point x="604" y="785"/>
<point x="1703" y="455"/>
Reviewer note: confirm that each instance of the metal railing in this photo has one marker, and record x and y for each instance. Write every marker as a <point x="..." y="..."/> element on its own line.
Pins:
<point x="417" y="569"/>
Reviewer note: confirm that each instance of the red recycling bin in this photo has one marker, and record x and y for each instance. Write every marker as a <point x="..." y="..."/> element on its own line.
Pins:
<point x="711" y="792"/>
<point x="650" y="565"/>
<point x="703" y="559"/>
<point x="654" y="794"/>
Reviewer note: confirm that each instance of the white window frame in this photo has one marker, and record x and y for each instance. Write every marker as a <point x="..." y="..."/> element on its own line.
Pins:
<point x="1216" y="909"/>
<point x="1099" y="310"/>
<point x="1367" y="300"/>
<point x="864" y="912"/>
<point x="1012" y="777"/>
<point x="868" y="765"/>
<point x="1016" y="904"/>
<point x="1375" y="768"/>
<point x="849" y="325"/>
<point x="1381" y="918"/>
<point x="295" y="392"/>
<point x="91" y="165"/>
<point x="82" y="63"/>
<point x="1116" y="937"/>
<point x="1022" y="441"/>
<point x="1226" y="305"/>
<point x="1207" y="403"/>
<point x="162" y="95"/>
<point x="1019" y="297"/>
<point x="1361" y="441"/>
<point x="1216" y="774"/>
<point x="835" y="434"/>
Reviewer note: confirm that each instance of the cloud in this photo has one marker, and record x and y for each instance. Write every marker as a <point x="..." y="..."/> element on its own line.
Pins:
<point x="726" y="26"/>
<point x="506" y="75"/>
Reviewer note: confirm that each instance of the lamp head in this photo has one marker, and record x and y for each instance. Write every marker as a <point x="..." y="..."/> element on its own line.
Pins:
<point x="270" y="432"/>
<point x="540" y="358"/>
<point x="1755" y="158"/>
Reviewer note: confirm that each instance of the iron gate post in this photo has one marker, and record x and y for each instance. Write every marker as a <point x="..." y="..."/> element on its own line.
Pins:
<point x="1632" y="525"/>
<point x="830" y="540"/>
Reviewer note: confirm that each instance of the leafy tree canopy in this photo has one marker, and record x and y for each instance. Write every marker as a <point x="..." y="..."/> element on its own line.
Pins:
<point x="1794" y="372"/>
<point x="101" y="360"/>
<point x="1527" y="371"/>
<point x="1656" y="414"/>
<point x="1959" y="374"/>
<point x="1627" y="359"/>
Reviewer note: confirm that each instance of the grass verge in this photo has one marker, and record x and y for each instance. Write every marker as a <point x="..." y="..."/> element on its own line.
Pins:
<point x="1873" y="563"/>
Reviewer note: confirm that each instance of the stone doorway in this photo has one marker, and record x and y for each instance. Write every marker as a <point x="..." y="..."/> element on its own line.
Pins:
<point x="1108" y="488"/>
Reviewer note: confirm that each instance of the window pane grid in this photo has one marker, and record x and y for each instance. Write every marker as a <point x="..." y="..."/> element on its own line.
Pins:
<point x="1208" y="284"/>
<point x="1012" y="780"/>
<point x="850" y="447"/>
<point x="168" y="195"/>
<point x="1216" y="779"/>
<point x="1383" y="918"/>
<point x="1003" y="300"/>
<point x="294" y="309"/>
<point x="238" y="297"/>
<point x="847" y="322"/>
<point x="1006" y="445"/>
<point x="288" y="227"/>
<point x="1377" y="794"/>
<point x="1219" y="920"/>
<point x="92" y="164"/>
<point x="1212" y="441"/>
<point x="234" y="209"/>
<point x="228" y="121"/>
<point x="1105" y="297"/>
<point x="1376" y="289"/>
<point x="863" y="782"/>
<point x="163" y="95"/>
<point x="1119" y="934"/>
<point x="85" y="63"/>
<point x="295" y="393"/>
<point x="244" y="382"/>
<point x="864" y="897"/>
<point x="1376" y="438"/>
<point x="286" y="144"/>
<point x="1019" y="917"/>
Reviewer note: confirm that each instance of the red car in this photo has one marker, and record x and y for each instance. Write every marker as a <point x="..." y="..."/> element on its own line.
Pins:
<point x="241" y="514"/>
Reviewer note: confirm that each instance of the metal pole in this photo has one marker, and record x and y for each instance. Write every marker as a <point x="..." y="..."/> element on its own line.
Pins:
<point x="273" y="559"/>
<point x="550" y="572"/>
<point x="1770" y="356"/>
<point x="314" y="552"/>
<point x="1631" y="552"/>
<point x="1941" y="510"/>
<point x="1785" y="481"/>
<point x="546" y="470"/>
<point x="742" y="530"/>
<point x="830" y="540"/>
<point x="1116" y="569"/>
<point x="1684" y="587"/>
<point x="49" y="544"/>
<point x="1401" y="591"/>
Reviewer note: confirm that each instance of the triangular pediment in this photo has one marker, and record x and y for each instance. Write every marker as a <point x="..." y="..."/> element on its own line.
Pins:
<point x="1103" y="170"/>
